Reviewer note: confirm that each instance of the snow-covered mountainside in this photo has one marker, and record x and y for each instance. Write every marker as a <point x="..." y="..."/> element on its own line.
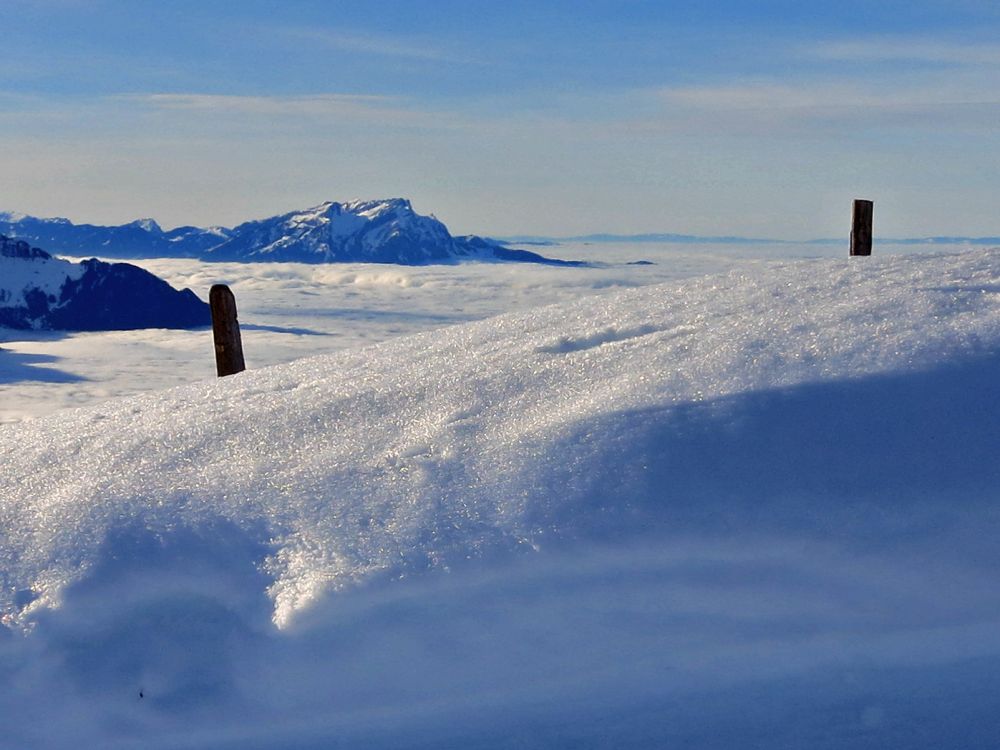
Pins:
<point x="751" y="510"/>
<point x="378" y="231"/>
<point x="38" y="291"/>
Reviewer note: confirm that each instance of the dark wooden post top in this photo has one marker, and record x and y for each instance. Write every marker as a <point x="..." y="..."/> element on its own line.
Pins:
<point x="226" y="330"/>
<point x="861" y="227"/>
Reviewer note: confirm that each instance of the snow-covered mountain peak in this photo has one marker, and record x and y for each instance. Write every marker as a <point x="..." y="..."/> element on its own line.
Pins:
<point x="374" y="208"/>
<point x="31" y="281"/>
<point x="381" y="231"/>
<point x="147" y="225"/>
<point x="369" y="209"/>
<point x="14" y="217"/>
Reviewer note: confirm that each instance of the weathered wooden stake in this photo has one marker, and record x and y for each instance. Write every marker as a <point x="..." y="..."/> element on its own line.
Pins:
<point x="226" y="330"/>
<point x="861" y="227"/>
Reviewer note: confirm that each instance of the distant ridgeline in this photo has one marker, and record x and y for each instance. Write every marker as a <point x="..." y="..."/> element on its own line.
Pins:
<point x="38" y="291"/>
<point x="381" y="231"/>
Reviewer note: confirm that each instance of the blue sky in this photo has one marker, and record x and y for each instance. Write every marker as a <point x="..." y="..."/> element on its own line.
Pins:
<point x="760" y="118"/>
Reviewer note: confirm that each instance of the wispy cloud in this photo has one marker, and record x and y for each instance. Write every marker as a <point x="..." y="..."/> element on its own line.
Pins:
<point x="938" y="84"/>
<point x="749" y="106"/>
<point x="364" y="108"/>
<point x="368" y="44"/>
<point x="761" y="96"/>
<point x="811" y="95"/>
<point x="315" y="104"/>
<point x="901" y="49"/>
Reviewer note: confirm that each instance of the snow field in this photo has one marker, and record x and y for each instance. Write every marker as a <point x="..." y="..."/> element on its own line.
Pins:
<point x="644" y="517"/>
<point x="292" y="310"/>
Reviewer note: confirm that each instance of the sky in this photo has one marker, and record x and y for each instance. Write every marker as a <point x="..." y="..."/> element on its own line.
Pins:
<point x="500" y="118"/>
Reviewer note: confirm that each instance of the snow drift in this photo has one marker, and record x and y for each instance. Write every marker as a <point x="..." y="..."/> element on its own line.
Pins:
<point x="748" y="510"/>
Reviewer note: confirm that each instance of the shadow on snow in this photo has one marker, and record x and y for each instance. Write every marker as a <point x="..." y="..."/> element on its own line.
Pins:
<point x="17" y="367"/>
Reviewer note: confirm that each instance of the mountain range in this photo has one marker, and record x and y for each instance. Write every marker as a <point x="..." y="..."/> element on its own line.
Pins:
<point x="38" y="291"/>
<point x="376" y="231"/>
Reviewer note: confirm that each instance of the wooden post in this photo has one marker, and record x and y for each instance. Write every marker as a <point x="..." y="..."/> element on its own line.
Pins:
<point x="861" y="227"/>
<point x="226" y="330"/>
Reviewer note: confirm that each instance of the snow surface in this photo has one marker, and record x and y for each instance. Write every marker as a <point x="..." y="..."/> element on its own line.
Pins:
<point x="747" y="510"/>
<point x="292" y="310"/>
